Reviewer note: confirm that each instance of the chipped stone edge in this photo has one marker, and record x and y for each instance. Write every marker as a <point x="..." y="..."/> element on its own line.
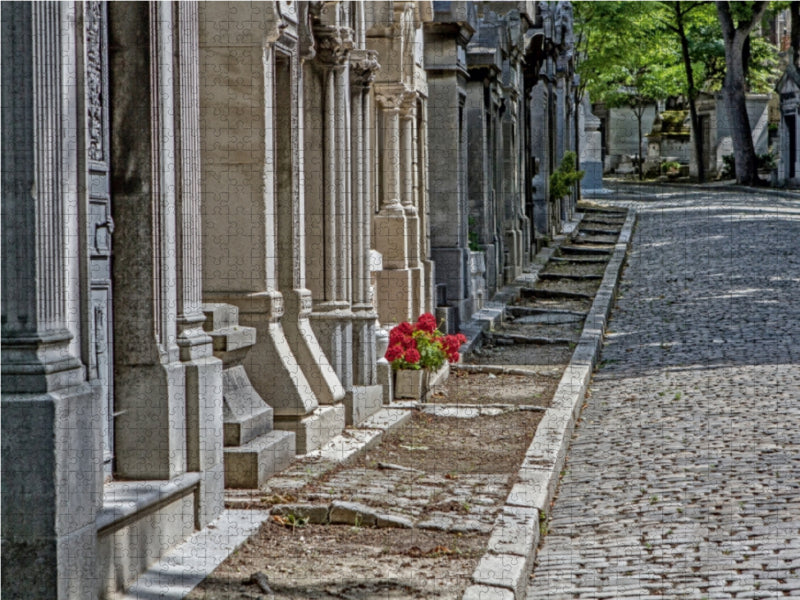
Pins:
<point x="539" y="473"/>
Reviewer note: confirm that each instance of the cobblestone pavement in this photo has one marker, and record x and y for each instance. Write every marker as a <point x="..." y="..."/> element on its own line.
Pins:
<point x="683" y="477"/>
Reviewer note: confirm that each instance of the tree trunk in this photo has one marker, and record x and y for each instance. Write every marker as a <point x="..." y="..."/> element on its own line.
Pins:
<point x="733" y="91"/>
<point x="692" y="92"/>
<point x="639" y="114"/>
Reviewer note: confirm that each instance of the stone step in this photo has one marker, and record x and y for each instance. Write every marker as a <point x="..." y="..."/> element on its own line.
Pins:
<point x="580" y="259"/>
<point x="581" y="250"/>
<point x="524" y="311"/>
<point x="570" y="276"/>
<point x="220" y="316"/>
<point x="249" y="466"/>
<point x="554" y="294"/>
<point x="245" y="414"/>
<point x="598" y="231"/>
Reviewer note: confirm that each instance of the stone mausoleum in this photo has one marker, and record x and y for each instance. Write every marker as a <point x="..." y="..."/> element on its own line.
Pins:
<point x="211" y="213"/>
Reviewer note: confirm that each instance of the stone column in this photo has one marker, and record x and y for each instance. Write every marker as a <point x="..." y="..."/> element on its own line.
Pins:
<point x="253" y="257"/>
<point x="395" y="282"/>
<point x="421" y="178"/>
<point x="203" y="371"/>
<point x="366" y="396"/>
<point x="149" y="376"/>
<point x="332" y="316"/>
<point x="409" y="199"/>
<point x="540" y="143"/>
<point x="52" y="459"/>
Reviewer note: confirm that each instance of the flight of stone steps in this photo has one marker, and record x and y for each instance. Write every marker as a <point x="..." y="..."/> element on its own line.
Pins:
<point x="542" y="325"/>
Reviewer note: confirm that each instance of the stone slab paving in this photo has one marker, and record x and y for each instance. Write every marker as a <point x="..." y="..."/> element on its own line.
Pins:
<point x="683" y="476"/>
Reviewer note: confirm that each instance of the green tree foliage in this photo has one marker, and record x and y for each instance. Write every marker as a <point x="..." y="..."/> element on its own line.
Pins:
<point x="622" y="59"/>
<point x="633" y="53"/>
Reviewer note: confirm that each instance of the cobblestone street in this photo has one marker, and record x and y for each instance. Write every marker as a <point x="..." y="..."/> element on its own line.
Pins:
<point x="683" y="476"/>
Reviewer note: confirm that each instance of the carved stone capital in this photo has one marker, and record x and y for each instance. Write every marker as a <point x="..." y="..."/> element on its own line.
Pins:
<point x="363" y="67"/>
<point x="392" y="97"/>
<point x="333" y="45"/>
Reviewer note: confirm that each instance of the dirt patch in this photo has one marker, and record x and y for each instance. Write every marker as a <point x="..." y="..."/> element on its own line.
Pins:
<point x="484" y="388"/>
<point x="523" y="354"/>
<point x="322" y="562"/>
<point x="453" y="445"/>
<point x="449" y="476"/>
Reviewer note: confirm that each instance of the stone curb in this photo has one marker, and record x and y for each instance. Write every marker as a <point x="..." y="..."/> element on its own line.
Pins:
<point x="502" y="573"/>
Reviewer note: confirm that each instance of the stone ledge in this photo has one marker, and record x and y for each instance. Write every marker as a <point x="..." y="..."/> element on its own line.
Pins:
<point x="126" y="500"/>
<point x="186" y="565"/>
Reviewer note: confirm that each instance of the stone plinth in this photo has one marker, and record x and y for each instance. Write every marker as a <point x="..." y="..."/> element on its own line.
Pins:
<point x="253" y="451"/>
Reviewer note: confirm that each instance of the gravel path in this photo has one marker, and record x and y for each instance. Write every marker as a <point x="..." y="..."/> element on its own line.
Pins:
<point x="683" y="478"/>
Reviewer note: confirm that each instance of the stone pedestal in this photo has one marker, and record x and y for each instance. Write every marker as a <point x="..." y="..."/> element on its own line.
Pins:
<point x="253" y="451"/>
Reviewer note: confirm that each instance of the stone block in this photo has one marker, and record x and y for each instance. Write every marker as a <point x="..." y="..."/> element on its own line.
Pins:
<point x="352" y="513"/>
<point x="250" y="465"/>
<point x="361" y="402"/>
<point x="515" y="533"/>
<point x="387" y="520"/>
<point x="315" y="513"/>
<point x="246" y="415"/>
<point x="315" y="430"/>
<point x="387" y="419"/>
<point x="211" y="495"/>
<point x="219" y="316"/>
<point x="487" y="592"/>
<point x="536" y="488"/>
<point x="507" y="571"/>
<point x="385" y="379"/>
<point x="395" y="295"/>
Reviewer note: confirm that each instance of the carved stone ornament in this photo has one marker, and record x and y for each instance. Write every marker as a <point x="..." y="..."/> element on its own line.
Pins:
<point x="391" y="97"/>
<point x="94" y="80"/>
<point x="333" y="44"/>
<point x="363" y="67"/>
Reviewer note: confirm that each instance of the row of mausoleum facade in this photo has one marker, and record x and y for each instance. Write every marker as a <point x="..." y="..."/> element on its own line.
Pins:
<point x="212" y="212"/>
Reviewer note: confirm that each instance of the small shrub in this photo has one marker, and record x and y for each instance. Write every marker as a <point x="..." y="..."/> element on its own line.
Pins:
<point x="670" y="166"/>
<point x="728" y="166"/>
<point x="562" y="180"/>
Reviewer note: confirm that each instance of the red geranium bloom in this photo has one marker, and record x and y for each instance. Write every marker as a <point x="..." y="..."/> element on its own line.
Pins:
<point x="426" y="322"/>
<point x="409" y="342"/>
<point x="405" y="328"/>
<point x="412" y="356"/>
<point x="395" y="336"/>
<point x="394" y="352"/>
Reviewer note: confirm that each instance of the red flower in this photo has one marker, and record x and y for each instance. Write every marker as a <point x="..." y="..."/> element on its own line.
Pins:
<point x="453" y="358"/>
<point x="412" y="356"/>
<point x="426" y="322"/>
<point x="404" y="328"/>
<point x="409" y="342"/>
<point x="394" y="352"/>
<point x="395" y="336"/>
